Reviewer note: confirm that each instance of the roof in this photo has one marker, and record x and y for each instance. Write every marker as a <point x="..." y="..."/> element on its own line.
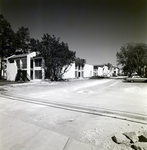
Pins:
<point x="99" y="65"/>
<point x="18" y="56"/>
<point x="38" y="56"/>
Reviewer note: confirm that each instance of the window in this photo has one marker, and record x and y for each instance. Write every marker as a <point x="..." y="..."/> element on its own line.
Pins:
<point x="31" y="73"/>
<point x="79" y="74"/>
<point x="38" y="74"/>
<point x="76" y="67"/>
<point x="38" y="62"/>
<point x="18" y="63"/>
<point x="11" y="61"/>
<point x="31" y="63"/>
<point x="75" y="74"/>
<point x="24" y="63"/>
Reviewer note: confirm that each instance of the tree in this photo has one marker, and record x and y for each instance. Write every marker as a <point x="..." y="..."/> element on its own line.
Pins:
<point x="133" y="58"/>
<point x="57" y="56"/>
<point x="109" y="65"/>
<point x="80" y="62"/>
<point x="22" y="39"/>
<point x="7" y="37"/>
<point x="34" y="45"/>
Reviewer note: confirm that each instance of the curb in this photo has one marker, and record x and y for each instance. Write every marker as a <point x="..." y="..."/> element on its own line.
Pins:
<point x="132" y="117"/>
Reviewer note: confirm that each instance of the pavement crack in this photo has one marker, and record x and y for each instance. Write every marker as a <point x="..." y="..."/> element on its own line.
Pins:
<point x="66" y="143"/>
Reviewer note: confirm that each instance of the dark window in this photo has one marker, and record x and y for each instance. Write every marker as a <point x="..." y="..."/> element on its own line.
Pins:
<point x="75" y="74"/>
<point x="31" y="74"/>
<point x="38" y="62"/>
<point x="75" y="66"/>
<point x="24" y="63"/>
<point x="11" y="61"/>
<point x="18" y="63"/>
<point x="78" y="74"/>
<point x="31" y="63"/>
<point x="38" y="74"/>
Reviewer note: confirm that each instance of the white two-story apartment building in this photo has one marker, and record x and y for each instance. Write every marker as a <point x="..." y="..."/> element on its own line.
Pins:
<point x="28" y="67"/>
<point x="25" y="67"/>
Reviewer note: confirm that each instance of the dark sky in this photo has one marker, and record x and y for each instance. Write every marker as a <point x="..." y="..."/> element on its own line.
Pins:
<point x="95" y="29"/>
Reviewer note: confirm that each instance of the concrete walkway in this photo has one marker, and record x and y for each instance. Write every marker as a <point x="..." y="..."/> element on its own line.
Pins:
<point x="16" y="134"/>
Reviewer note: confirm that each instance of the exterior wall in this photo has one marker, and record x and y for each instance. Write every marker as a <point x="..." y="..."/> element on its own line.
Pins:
<point x="114" y="71"/>
<point x="105" y="71"/>
<point x="4" y="67"/>
<point x="120" y="72"/>
<point x="117" y="70"/>
<point x="11" y="71"/>
<point x="29" y="56"/>
<point x="88" y="70"/>
<point x="12" y="68"/>
<point x="70" y="73"/>
<point x="111" y="71"/>
<point x="100" y="71"/>
<point x="79" y="72"/>
<point x="38" y="68"/>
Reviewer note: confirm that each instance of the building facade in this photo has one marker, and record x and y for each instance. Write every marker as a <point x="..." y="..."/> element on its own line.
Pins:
<point x="101" y="70"/>
<point x="28" y="67"/>
<point x="79" y="71"/>
<point x="25" y="67"/>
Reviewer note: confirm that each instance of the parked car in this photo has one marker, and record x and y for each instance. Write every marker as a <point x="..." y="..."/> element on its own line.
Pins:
<point x="136" y="79"/>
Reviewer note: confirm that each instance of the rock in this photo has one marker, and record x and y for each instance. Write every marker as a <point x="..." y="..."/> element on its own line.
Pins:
<point x="142" y="136"/>
<point x="120" y="139"/>
<point x="140" y="146"/>
<point x="132" y="136"/>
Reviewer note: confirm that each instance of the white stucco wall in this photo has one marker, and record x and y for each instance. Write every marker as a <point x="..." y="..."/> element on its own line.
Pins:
<point x="12" y="67"/>
<point x="88" y="70"/>
<point x="70" y="73"/>
<point x="11" y="71"/>
<point x="106" y="71"/>
<point x="116" y="69"/>
<point x="100" y="71"/>
<point x="29" y="56"/>
<point x="38" y="68"/>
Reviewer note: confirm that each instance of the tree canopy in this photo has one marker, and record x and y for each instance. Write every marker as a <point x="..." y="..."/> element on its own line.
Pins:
<point x="6" y="40"/>
<point x="57" y="56"/>
<point x="22" y="41"/>
<point x="133" y="58"/>
<point x="109" y="65"/>
<point x="80" y="62"/>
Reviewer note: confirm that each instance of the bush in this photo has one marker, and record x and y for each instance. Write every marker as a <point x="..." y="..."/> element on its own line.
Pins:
<point x="97" y="77"/>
